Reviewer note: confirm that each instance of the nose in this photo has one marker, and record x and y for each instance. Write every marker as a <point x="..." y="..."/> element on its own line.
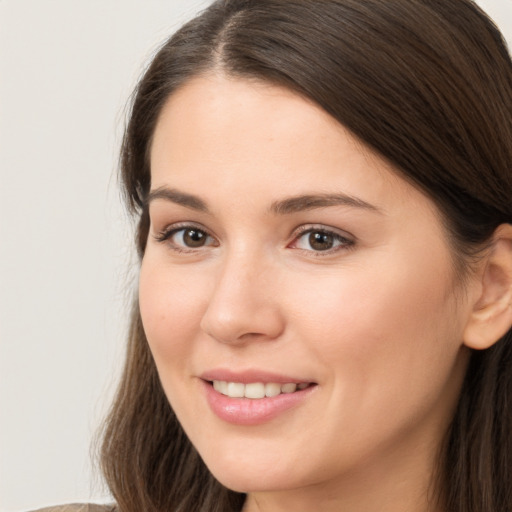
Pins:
<point x="244" y="304"/>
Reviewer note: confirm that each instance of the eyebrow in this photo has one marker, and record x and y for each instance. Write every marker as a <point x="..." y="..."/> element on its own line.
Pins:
<point x="310" y="202"/>
<point x="282" y="207"/>
<point x="177" y="197"/>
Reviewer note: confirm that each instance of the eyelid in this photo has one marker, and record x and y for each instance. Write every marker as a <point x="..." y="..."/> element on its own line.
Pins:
<point x="167" y="232"/>
<point x="347" y="239"/>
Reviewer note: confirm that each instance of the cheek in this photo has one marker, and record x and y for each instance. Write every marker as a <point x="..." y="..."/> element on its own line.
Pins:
<point x="380" y="306"/>
<point x="385" y="328"/>
<point x="172" y="302"/>
<point x="388" y="345"/>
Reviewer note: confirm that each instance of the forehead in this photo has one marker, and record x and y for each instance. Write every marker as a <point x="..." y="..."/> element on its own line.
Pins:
<point x="215" y="129"/>
<point x="253" y="112"/>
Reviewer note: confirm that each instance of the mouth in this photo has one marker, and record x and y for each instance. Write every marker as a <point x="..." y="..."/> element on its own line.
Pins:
<point x="257" y="390"/>
<point x="254" y="396"/>
<point x="257" y="400"/>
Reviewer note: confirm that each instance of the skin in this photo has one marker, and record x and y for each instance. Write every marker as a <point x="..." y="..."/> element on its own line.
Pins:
<point x="377" y="322"/>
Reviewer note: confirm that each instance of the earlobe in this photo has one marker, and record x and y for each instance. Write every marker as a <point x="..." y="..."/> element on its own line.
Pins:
<point x="491" y="317"/>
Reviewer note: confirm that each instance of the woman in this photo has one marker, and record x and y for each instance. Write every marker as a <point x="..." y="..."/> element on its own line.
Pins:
<point x="323" y="193"/>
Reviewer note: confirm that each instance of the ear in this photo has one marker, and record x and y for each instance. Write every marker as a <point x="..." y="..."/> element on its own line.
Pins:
<point x="491" y="317"/>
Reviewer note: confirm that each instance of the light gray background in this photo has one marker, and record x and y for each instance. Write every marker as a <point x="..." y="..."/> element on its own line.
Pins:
<point x="67" y="68"/>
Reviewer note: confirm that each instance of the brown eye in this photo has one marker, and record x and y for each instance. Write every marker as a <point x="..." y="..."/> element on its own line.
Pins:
<point x="321" y="241"/>
<point x="194" y="238"/>
<point x="187" y="238"/>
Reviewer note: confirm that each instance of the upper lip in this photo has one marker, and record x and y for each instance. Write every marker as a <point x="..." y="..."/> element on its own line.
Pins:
<point x="249" y="376"/>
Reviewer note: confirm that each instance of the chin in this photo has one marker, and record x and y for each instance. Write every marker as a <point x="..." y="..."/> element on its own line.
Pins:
<point x="247" y="475"/>
<point x="253" y="482"/>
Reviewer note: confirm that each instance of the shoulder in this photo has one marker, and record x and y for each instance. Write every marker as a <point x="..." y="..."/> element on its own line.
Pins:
<point x="79" y="507"/>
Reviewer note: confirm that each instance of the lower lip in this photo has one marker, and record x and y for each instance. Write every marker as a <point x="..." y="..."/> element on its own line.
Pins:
<point x="250" y="411"/>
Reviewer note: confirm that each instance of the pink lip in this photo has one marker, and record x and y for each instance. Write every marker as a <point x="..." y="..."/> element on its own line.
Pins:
<point x="248" y="411"/>
<point x="248" y="376"/>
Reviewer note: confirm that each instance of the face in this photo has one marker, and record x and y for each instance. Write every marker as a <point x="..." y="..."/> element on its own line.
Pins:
<point x="298" y="296"/>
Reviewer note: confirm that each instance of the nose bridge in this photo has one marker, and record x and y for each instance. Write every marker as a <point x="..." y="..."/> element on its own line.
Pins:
<point x="243" y="303"/>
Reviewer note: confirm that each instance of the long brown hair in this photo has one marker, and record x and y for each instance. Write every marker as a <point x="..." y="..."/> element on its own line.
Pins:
<point x="428" y="85"/>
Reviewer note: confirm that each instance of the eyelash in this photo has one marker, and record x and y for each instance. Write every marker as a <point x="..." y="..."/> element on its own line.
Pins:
<point x="345" y="243"/>
<point x="166" y="235"/>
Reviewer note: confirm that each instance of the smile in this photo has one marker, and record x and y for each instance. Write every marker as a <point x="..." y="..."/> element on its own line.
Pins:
<point x="256" y="390"/>
<point x="252" y="402"/>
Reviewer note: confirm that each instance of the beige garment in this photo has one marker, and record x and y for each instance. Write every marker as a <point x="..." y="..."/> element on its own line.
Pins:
<point x="79" y="507"/>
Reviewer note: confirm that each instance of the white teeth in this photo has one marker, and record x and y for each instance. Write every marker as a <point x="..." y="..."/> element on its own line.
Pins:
<point x="235" y="389"/>
<point x="289" y="388"/>
<point x="272" y="389"/>
<point x="256" y="390"/>
<point x="221" y="386"/>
